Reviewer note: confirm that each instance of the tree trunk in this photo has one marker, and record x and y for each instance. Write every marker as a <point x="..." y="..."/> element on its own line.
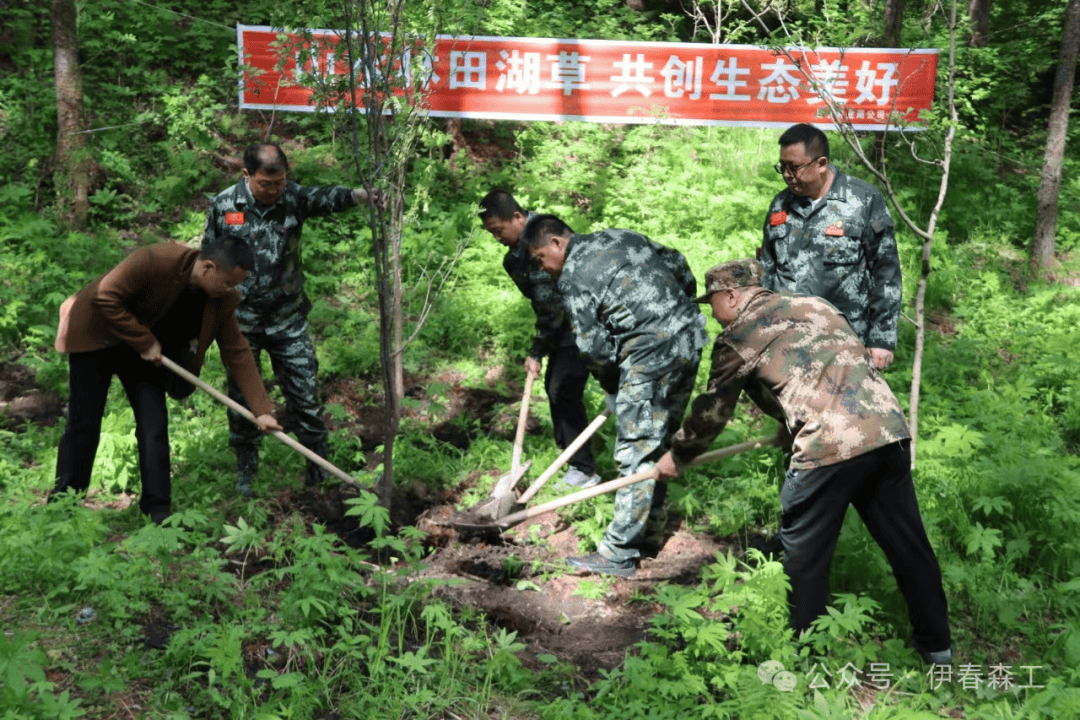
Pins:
<point x="893" y="23"/>
<point x="72" y="176"/>
<point x="1042" y="245"/>
<point x="399" y="345"/>
<point x="979" y="11"/>
<point x="928" y="242"/>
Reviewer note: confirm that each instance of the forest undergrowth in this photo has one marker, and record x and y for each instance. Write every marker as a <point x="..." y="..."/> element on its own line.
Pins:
<point x="247" y="609"/>
<point x="269" y="616"/>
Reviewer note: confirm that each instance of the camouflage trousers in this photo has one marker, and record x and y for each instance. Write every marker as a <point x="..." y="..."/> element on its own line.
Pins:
<point x="648" y="413"/>
<point x="292" y="357"/>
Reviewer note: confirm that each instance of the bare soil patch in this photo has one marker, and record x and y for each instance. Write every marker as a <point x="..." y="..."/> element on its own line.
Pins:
<point x="527" y="587"/>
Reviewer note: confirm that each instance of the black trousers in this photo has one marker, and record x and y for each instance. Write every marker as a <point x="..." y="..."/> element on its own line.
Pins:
<point x="564" y="382"/>
<point x="878" y="484"/>
<point x="89" y="377"/>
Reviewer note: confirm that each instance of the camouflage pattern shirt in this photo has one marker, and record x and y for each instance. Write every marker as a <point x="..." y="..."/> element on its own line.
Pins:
<point x="272" y="297"/>
<point x="843" y="249"/>
<point x="552" y="324"/>
<point x="631" y="304"/>
<point x="798" y="359"/>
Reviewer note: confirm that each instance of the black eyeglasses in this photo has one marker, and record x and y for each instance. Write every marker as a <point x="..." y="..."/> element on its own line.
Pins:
<point x="780" y="168"/>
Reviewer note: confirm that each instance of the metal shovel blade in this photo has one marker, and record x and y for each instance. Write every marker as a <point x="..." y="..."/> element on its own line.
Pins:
<point x="502" y="500"/>
<point x="499" y="506"/>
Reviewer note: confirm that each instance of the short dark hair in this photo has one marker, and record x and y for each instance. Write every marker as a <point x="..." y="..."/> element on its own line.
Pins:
<point x="229" y="252"/>
<point x="812" y="138"/>
<point x="499" y="204"/>
<point x="540" y="229"/>
<point x="255" y="159"/>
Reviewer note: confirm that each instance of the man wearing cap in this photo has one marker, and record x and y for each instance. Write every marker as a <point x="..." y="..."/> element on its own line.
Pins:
<point x="830" y="235"/>
<point x="566" y="374"/>
<point x="631" y="304"/>
<point x="801" y="362"/>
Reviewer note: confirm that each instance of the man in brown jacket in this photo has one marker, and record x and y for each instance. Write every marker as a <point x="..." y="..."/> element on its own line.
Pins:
<point x="799" y="360"/>
<point x="165" y="299"/>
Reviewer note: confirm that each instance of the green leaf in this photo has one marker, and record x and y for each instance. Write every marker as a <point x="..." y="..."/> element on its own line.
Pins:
<point x="288" y="680"/>
<point x="415" y="662"/>
<point x="371" y="514"/>
<point x="983" y="541"/>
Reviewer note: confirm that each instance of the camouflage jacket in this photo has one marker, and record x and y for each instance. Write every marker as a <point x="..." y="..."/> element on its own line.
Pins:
<point x="843" y="250"/>
<point x="552" y="324"/>
<point x="798" y="359"/>
<point x="273" y="294"/>
<point x="631" y="304"/>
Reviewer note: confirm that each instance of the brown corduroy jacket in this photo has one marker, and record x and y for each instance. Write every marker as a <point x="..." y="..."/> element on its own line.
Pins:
<point x="122" y="305"/>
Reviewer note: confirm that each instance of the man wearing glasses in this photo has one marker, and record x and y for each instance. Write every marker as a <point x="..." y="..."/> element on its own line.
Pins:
<point x="831" y="235"/>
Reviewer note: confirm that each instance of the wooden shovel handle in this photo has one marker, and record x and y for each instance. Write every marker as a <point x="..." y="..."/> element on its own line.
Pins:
<point x="233" y="405"/>
<point x="619" y="483"/>
<point x="519" y="437"/>
<point x="564" y="457"/>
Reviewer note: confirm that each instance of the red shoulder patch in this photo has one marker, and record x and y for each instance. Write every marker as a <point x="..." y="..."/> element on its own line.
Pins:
<point x="778" y="218"/>
<point x="234" y="218"/>
<point x="835" y="230"/>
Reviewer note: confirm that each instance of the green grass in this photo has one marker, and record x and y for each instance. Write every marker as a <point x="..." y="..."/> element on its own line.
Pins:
<point x="998" y="479"/>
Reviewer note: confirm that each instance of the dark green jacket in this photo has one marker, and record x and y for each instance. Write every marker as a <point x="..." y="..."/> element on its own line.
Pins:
<point x="273" y="295"/>
<point x="631" y="303"/>
<point x="842" y="250"/>
<point x="552" y="324"/>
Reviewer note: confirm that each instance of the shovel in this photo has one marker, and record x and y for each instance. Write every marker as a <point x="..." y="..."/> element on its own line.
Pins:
<point x="517" y="518"/>
<point x="490" y="511"/>
<point x="564" y="457"/>
<point x="233" y="405"/>
<point x="502" y="495"/>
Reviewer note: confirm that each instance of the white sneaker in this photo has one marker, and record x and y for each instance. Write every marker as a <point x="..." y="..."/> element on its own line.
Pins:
<point x="577" y="479"/>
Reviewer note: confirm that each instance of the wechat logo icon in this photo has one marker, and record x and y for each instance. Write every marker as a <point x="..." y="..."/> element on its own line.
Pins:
<point x="772" y="672"/>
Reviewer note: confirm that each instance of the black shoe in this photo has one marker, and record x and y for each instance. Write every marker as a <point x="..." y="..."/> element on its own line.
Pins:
<point x="314" y="475"/>
<point x="938" y="657"/>
<point x="597" y="563"/>
<point x="243" y="486"/>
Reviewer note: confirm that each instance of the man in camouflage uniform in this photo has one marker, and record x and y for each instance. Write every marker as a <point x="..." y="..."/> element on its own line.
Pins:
<point x="268" y="210"/>
<point x="800" y="361"/>
<point x="831" y="235"/>
<point x="631" y="303"/>
<point x="566" y="374"/>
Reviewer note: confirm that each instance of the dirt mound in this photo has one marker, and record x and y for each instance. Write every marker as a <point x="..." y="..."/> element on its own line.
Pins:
<point x="526" y="586"/>
<point x="22" y="401"/>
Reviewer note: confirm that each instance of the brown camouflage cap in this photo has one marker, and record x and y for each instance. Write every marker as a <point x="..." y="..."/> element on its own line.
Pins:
<point x="732" y="274"/>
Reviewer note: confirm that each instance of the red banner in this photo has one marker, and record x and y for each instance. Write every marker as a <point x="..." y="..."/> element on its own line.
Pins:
<point x="621" y="82"/>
